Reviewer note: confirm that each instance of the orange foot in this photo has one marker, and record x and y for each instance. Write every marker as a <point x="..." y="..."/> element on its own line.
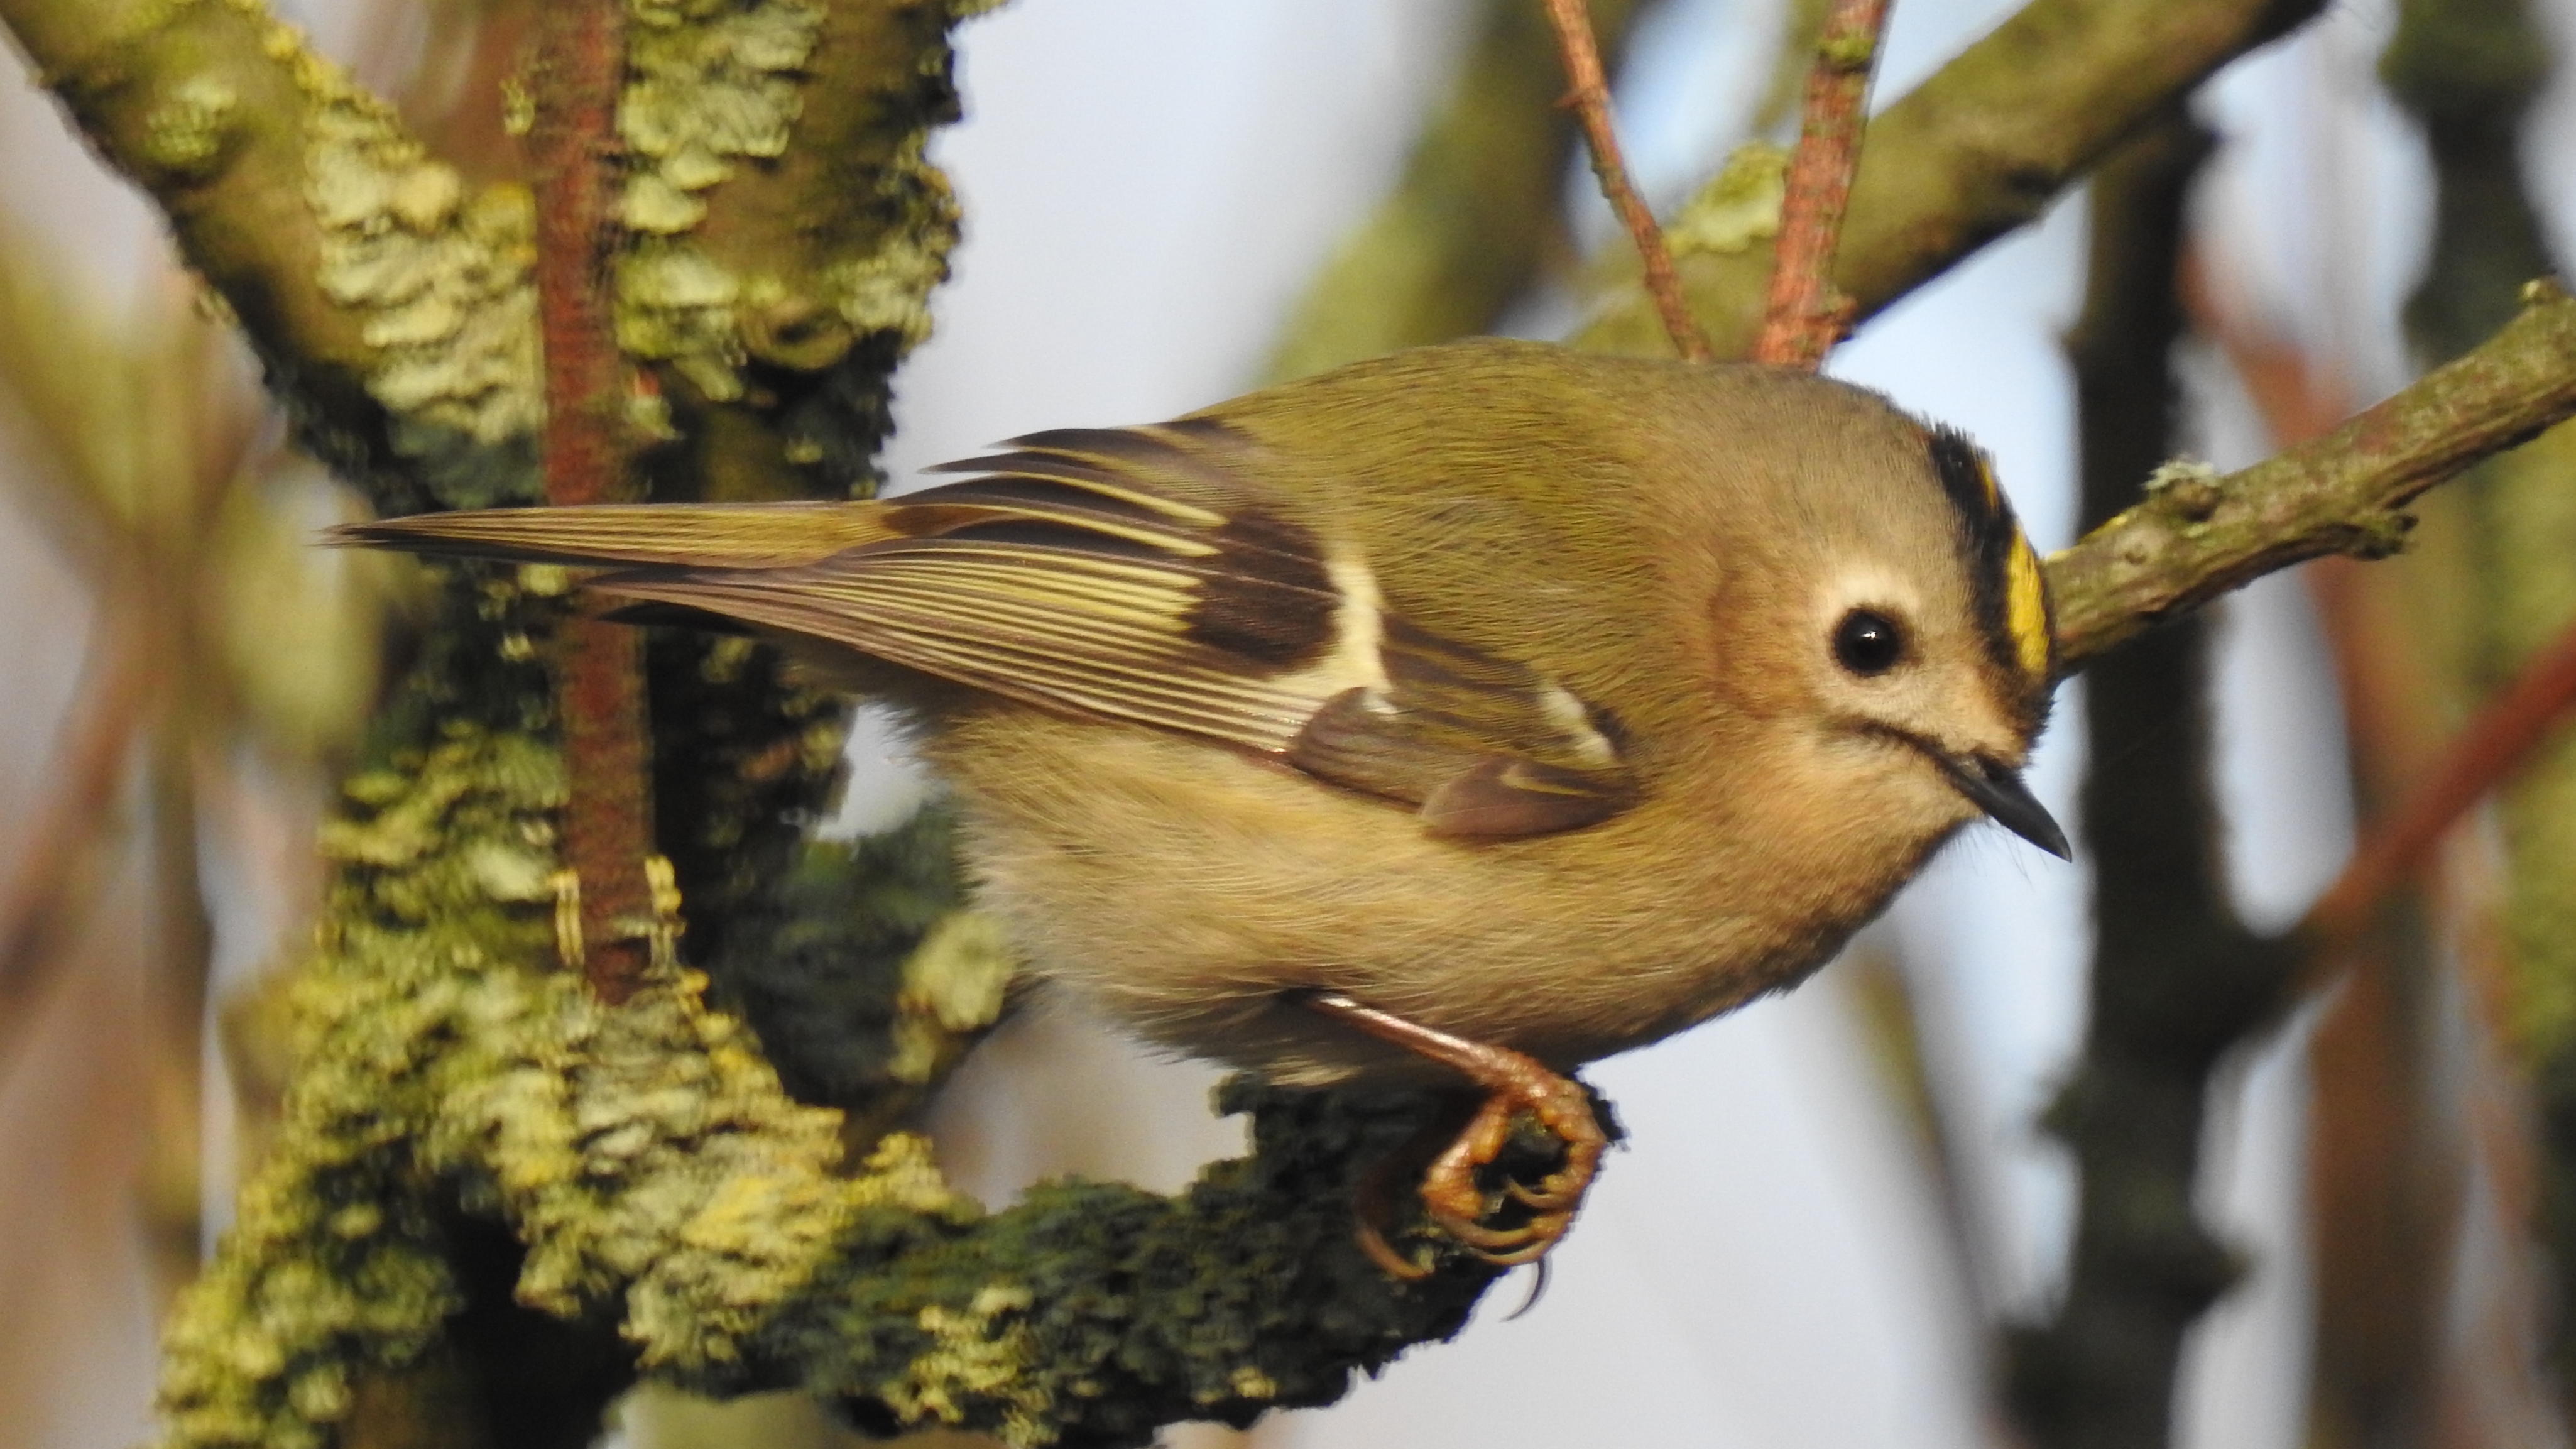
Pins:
<point x="1514" y="1083"/>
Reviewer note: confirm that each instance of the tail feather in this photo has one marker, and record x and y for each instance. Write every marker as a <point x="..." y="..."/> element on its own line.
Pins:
<point x="714" y="535"/>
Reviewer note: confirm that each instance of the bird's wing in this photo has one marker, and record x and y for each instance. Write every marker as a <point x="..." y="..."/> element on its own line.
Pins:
<point x="1145" y="575"/>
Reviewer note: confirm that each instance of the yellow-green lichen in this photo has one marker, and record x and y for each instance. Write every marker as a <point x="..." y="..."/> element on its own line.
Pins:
<point x="1739" y="207"/>
<point x="713" y="83"/>
<point x="717" y="85"/>
<point x="954" y="985"/>
<point x="334" y="1267"/>
<point x="676" y="305"/>
<point x="644" y="1148"/>
<point x="982" y="1351"/>
<point x="888" y="291"/>
<point x="1848" y="52"/>
<point x="186" y="133"/>
<point x="442" y="279"/>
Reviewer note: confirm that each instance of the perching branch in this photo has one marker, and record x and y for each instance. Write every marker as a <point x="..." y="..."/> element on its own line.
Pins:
<point x="1803" y="316"/>
<point x="2343" y="493"/>
<point x="1590" y="98"/>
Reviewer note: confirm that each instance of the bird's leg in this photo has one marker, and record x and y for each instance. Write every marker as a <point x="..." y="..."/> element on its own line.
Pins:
<point x="1513" y="1083"/>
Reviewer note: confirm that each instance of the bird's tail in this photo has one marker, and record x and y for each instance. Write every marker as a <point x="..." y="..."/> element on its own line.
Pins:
<point x="713" y="535"/>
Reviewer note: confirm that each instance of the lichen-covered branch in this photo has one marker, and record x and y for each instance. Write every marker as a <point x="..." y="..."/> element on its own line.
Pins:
<point x="393" y="310"/>
<point x="2204" y="534"/>
<point x="1982" y="147"/>
<point x="658" y="1181"/>
<point x="778" y="284"/>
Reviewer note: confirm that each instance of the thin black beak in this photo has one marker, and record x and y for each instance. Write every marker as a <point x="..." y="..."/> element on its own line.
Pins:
<point x="1997" y="789"/>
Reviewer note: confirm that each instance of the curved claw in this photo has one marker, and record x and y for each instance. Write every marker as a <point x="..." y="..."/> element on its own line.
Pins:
<point x="1479" y="1239"/>
<point x="1531" y="1254"/>
<point x="1513" y="1083"/>
<point x="1555" y="1195"/>
<point x="1458" y="1206"/>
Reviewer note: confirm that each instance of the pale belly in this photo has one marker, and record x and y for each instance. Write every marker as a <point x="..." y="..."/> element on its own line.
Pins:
<point x="1185" y="892"/>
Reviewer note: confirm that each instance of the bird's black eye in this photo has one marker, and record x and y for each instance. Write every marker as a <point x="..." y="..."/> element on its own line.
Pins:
<point x="1868" y="642"/>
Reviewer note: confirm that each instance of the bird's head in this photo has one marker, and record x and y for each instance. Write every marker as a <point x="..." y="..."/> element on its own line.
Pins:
<point x="1876" y="606"/>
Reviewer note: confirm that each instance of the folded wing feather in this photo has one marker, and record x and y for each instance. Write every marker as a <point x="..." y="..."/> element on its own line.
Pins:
<point x="1143" y="575"/>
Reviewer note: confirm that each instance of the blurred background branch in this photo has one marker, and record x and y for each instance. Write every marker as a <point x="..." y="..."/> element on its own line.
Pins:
<point x="2177" y="981"/>
<point x="1477" y="218"/>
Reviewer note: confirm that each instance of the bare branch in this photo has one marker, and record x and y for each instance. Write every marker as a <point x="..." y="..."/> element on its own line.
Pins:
<point x="1804" y="316"/>
<point x="2342" y="493"/>
<point x="608" y="821"/>
<point x="1591" y="101"/>
<point x="1983" y="146"/>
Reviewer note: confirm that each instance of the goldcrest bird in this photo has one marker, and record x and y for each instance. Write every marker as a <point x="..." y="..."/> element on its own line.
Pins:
<point x="1487" y="708"/>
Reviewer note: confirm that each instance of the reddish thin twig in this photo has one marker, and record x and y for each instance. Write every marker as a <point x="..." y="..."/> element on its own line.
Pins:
<point x="108" y="712"/>
<point x="2506" y="730"/>
<point x="1804" y="316"/>
<point x="608" y="824"/>
<point x="1590" y="98"/>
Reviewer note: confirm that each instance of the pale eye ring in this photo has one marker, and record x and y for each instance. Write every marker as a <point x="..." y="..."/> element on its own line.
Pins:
<point x="1869" y="643"/>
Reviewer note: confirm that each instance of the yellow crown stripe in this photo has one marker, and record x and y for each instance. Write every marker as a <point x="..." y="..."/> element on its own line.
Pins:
<point x="2026" y="607"/>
